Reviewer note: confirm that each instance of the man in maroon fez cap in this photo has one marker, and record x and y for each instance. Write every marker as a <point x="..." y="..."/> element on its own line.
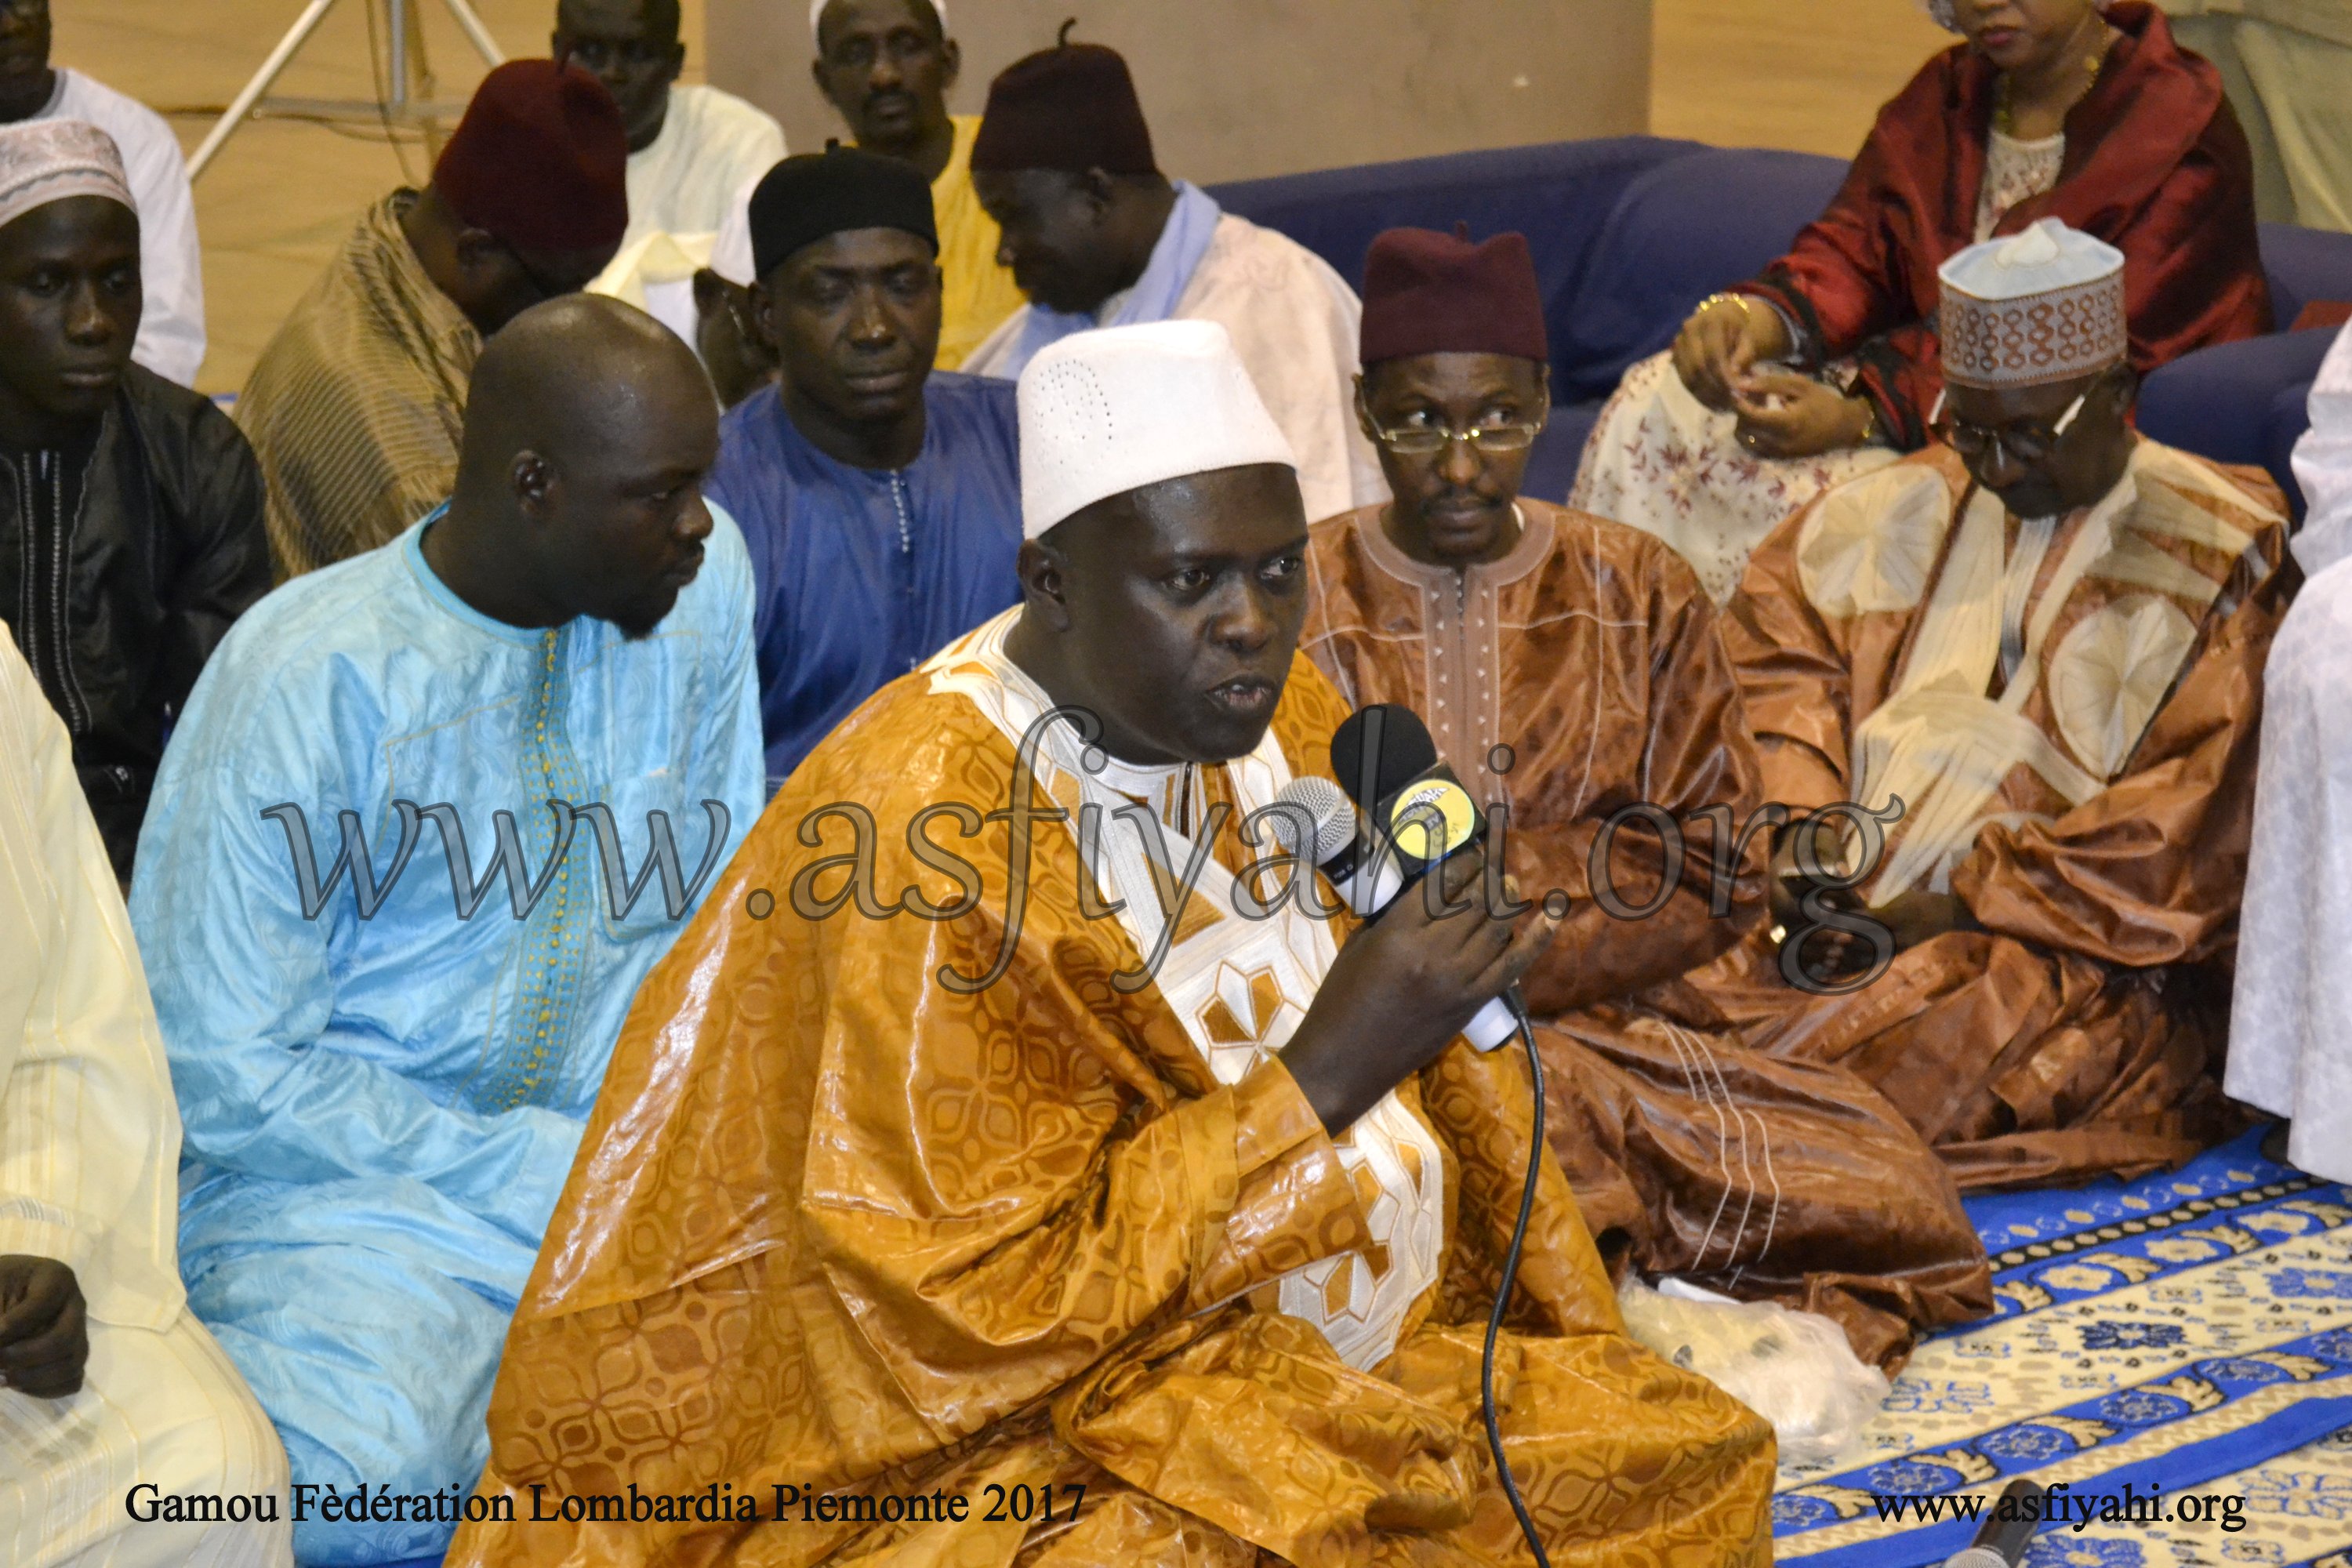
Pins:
<point x="1098" y="236"/>
<point x="1571" y="671"/>
<point x="538" y="164"/>
<point x="1064" y="163"/>
<point x="355" y="406"/>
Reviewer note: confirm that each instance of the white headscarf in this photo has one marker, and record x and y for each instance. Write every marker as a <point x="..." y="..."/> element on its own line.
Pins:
<point x="45" y="161"/>
<point x="1941" y="10"/>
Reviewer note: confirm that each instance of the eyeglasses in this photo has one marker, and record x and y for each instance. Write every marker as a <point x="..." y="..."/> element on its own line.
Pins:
<point x="2027" y="442"/>
<point x="1420" y="440"/>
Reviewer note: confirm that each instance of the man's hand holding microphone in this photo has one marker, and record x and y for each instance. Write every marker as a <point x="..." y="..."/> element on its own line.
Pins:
<point x="1435" y="957"/>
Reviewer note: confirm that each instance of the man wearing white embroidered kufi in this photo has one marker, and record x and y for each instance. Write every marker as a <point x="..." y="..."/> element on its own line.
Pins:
<point x="2291" y="1025"/>
<point x="114" y="1401"/>
<point x="171" y="341"/>
<point x="1224" y="1197"/>
<point x="2044" y="635"/>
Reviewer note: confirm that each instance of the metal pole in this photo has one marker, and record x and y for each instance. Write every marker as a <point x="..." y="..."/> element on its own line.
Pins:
<point x="396" y="105"/>
<point x="396" y="23"/>
<point x="479" y="36"/>
<point x="296" y="35"/>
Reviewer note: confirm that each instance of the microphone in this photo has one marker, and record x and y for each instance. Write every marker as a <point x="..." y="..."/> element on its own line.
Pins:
<point x="1383" y="755"/>
<point x="2001" y="1543"/>
<point x="1365" y="882"/>
<point x="1386" y="754"/>
<point x="1384" y="759"/>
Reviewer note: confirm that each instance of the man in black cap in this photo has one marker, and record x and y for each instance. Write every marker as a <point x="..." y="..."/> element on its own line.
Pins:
<point x="881" y="502"/>
<point x="886" y="66"/>
<point x="1098" y="236"/>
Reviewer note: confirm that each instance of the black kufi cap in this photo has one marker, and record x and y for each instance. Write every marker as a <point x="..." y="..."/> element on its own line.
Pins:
<point x="803" y="200"/>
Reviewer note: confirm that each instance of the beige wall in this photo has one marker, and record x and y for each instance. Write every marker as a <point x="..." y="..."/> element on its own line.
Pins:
<point x="1235" y="88"/>
<point x="1805" y="74"/>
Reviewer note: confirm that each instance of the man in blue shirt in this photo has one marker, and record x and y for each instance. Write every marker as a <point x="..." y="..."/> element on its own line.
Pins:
<point x="881" y="502"/>
<point x="430" y="816"/>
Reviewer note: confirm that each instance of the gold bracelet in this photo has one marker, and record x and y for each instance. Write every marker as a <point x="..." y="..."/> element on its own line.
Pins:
<point x="1747" y="308"/>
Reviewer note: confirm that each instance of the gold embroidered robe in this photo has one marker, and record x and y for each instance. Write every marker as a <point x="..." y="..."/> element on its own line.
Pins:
<point x="1590" y="651"/>
<point x="2067" y="708"/>
<point x="839" y="1226"/>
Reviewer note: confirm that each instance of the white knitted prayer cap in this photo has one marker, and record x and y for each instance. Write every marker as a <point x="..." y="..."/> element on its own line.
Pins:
<point x="45" y="161"/>
<point x="1113" y="410"/>
<point x="2043" y="305"/>
<point x="817" y="14"/>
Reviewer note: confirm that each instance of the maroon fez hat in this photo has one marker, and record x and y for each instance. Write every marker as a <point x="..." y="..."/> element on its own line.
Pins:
<point x="540" y="158"/>
<point x="1427" y="293"/>
<point x="1072" y="107"/>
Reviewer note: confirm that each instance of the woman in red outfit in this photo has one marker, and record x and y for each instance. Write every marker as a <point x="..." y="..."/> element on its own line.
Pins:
<point x="1826" y="366"/>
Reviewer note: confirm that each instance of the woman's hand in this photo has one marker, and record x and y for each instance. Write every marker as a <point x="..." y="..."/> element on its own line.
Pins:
<point x="1784" y="415"/>
<point x="1723" y="338"/>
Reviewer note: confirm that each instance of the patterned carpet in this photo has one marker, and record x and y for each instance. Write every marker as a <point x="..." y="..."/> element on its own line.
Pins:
<point x="2190" y="1333"/>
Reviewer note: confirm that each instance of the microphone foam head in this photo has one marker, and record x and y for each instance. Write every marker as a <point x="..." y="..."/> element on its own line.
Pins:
<point x="1335" y="819"/>
<point x="1378" y="749"/>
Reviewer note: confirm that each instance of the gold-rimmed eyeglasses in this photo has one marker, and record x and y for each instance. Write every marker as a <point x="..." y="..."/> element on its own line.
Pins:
<point x="1420" y="440"/>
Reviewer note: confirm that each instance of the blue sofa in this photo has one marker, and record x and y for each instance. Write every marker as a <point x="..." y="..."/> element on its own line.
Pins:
<point x="1631" y="232"/>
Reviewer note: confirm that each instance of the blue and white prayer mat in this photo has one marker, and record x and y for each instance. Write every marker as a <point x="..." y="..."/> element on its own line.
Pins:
<point x="2184" y="1335"/>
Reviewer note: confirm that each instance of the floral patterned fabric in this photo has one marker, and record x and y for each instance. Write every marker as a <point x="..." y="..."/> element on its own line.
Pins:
<point x="1664" y="462"/>
<point x="2015" y="172"/>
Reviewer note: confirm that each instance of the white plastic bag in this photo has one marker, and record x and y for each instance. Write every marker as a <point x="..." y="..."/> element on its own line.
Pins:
<point x="1794" y="1369"/>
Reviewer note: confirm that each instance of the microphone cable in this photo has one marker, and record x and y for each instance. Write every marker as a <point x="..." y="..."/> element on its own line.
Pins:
<point x="1510" y="1280"/>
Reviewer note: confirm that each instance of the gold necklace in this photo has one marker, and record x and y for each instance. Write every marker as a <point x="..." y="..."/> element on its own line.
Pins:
<point x="2092" y="63"/>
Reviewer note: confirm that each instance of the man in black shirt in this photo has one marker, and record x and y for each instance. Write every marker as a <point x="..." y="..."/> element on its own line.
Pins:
<point x="131" y="509"/>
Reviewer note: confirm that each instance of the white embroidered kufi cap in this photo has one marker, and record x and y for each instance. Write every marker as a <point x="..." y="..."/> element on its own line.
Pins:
<point x="2043" y="305"/>
<point x="45" y="161"/>
<point x="817" y="14"/>
<point x="1113" y="410"/>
